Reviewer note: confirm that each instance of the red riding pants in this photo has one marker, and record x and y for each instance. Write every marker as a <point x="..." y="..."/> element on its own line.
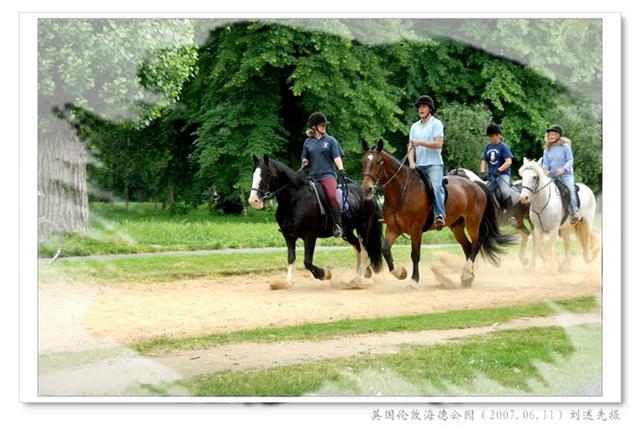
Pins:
<point x="330" y="186"/>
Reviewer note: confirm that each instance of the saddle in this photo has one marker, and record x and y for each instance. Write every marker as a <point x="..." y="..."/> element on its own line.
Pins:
<point x="318" y="190"/>
<point x="566" y="196"/>
<point x="430" y="194"/>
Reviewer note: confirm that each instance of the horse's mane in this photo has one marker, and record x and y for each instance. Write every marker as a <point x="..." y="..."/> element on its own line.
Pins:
<point x="295" y="178"/>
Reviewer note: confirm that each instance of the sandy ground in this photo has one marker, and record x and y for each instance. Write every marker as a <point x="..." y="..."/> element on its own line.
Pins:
<point x="75" y="317"/>
<point x="81" y="320"/>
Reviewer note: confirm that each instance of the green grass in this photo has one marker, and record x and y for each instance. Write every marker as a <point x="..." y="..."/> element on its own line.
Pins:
<point x="322" y="331"/>
<point x="534" y="361"/>
<point x="147" y="228"/>
<point x="170" y="268"/>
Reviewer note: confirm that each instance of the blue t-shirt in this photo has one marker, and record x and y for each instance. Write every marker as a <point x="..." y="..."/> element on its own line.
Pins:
<point x="429" y="131"/>
<point x="495" y="155"/>
<point x="321" y="154"/>
<point x="558" y="156"/>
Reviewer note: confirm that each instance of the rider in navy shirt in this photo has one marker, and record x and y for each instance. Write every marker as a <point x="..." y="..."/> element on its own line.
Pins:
<point x="496" y="163"/>
<point x="321" y="151"/>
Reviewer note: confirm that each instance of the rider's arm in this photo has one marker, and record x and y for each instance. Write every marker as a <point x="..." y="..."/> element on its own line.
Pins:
<point x="338" y="162"/>
<point x="505" y="165"/>
<point x="483" y="165"/>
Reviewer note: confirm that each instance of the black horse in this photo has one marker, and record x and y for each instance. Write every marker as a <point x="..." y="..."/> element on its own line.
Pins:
<point x="299" y="217"/>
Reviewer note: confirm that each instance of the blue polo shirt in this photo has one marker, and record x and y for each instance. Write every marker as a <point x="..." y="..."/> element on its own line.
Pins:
<point x="495" y="155"/>
<point x="321" y="154"/>
<point x="429" y="131"/>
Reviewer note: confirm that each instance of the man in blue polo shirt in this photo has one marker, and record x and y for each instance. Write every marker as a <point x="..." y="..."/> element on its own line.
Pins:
<point x="425" y="145"/>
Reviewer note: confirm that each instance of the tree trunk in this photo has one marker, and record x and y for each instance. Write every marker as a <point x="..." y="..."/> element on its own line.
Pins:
<point x="62" y="178"/>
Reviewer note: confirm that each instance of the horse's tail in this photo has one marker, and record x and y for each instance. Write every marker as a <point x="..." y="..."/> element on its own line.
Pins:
<point x="491" y="238"/>
<point x="372" y="232"/>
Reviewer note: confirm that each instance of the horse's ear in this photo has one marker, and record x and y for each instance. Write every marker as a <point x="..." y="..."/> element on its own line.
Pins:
<point x="524" y="160"/>
<point x="365" y="146"/>
<point x="380" y="145"/>
<point x="266" y="159"/>
<point x="255" y="161"/>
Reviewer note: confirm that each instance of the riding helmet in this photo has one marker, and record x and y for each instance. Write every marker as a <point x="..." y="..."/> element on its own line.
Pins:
<point x="555" y="128"/>
<point x="425" y="99"/>
<point x="493" y="129"/>
<point x="317" y="118"/>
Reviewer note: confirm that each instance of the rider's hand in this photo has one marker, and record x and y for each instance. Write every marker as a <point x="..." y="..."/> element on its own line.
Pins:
<point x="412" y="167"/>
<point x="497" y="173"/>
<point x="342" y="173"/>
<point x="560" y="171"/>
<point x="483" y="176"/>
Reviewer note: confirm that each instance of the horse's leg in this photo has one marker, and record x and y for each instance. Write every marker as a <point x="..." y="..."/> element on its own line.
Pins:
<point x="538" y="240"/>
<point x="355" y="243"/>
<point x="390" y="237"/>
<point x="309" y="247"/>
<point x="565" y="233"/>
<point x="458" y="232"/>
<point x="588" y="241"/>
<point x="416" y="241"/>
<point x="291" y="258"/>
<point x="468" y="272"/>
<point x="550" y="261"/>
<point x="522" y="254"/>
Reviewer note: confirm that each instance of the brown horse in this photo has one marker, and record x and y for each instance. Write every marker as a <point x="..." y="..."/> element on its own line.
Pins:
<point x="408" y="208"/>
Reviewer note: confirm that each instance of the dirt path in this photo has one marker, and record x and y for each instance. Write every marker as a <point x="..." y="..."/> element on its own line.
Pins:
<point x="123" y="371"/>
<point x="102" y="321"/>
<point x="139" y="312"/>
<point x="238" y="357"/>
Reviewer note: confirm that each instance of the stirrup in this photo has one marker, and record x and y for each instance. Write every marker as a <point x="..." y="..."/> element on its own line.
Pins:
<point x="337" y="230"/>
<point x="439" y="222"/>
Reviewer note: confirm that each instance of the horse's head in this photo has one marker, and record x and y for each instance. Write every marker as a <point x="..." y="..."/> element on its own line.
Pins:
<point x="372" y="167"/>
<point x="531" y="173"/>
<point x="263" y="172"/>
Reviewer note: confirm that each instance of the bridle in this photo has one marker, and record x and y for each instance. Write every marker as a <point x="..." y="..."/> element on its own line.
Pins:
<point x="533" y="193"/>
<point x="376" y="179"/>
<point x="268" y="195"/>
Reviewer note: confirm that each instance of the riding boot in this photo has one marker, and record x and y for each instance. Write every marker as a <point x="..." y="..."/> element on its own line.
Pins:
<point x="336" y="215"/>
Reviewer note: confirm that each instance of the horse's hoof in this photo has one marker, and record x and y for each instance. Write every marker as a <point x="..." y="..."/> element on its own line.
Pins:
<point x="327" y="274"/>
<point x="413" y="284"/>
<point x="466" y="283"/>
<point x="400" y="273"/>
<point x="368" y="273"/>
<point x="524" y="261"/>
<point x="354" y="284"/>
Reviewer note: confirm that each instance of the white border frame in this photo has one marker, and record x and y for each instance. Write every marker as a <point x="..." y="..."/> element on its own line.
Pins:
<point x="611" y="210"/>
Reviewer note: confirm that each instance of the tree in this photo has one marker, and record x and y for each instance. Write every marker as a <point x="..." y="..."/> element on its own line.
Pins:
<point x="100" y="66"/>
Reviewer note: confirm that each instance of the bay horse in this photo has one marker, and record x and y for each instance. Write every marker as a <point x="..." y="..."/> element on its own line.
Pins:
<point x="547" y="217"/>
<point x="299" y="216"/>
<point x="518" y="211"/>
<point x="408" y="208"/>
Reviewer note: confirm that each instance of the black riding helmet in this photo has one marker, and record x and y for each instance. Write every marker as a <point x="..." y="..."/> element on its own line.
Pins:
<point x="317" y="118"/>
<point x="424" y="99"/>
<point x="493" y="129"/>
<point x="555" y="128"/>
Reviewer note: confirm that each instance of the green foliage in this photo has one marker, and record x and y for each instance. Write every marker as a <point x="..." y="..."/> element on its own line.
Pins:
<point x="250" y="86"/>
<point x="465" y="130"/>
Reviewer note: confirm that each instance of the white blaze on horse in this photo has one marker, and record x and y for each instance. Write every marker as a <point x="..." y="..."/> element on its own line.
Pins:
<point x="548" y="217"/>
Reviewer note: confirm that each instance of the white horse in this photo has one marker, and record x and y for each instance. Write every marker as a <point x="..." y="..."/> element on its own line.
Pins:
<point x="546" y="214"/>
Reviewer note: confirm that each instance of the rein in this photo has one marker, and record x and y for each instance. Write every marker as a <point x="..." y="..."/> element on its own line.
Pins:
<point x="268" y="195"/>
<point x="533" y="193"/>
